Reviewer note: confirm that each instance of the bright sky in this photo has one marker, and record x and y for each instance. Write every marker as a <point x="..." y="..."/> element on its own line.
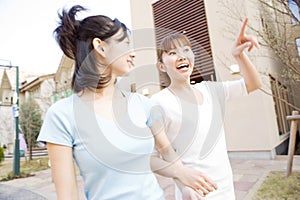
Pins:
<point x="26" y="29"/>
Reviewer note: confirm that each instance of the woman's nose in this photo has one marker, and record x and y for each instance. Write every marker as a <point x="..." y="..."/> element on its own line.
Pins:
<point x="132" y="55"/>
<point x="181" y="57"/>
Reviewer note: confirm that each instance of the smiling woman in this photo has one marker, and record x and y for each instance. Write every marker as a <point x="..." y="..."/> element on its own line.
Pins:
<point x="84" y="126"/>
<point x="195" y="113"/>
<point x="176" y="51"/>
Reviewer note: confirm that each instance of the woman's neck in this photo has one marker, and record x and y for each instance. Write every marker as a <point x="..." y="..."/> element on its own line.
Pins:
<point x="105" y="93"/>
<point x="180" y="86"/>
<point x="185" y="91"/>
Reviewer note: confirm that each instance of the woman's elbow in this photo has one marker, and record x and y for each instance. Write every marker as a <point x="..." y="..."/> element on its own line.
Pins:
<point x="254" y="86"/>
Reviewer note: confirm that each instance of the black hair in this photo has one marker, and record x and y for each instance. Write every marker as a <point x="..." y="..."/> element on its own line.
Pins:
<point x="75" y="39"/>
<point x="172" y="41"/>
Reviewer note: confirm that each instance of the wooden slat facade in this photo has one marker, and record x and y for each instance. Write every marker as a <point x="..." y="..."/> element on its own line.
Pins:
<point x="188" y="17"/>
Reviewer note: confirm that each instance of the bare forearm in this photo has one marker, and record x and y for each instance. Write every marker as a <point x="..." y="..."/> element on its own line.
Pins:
<point x="249" y="72"/>
<point x="170" y="162"/>
<point x="171" y="166"/>
<point x="164" y="168"/>
<point x="183" y="176"/>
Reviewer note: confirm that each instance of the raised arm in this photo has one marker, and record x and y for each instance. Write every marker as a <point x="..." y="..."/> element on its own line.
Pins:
<point x="249" y="72"/>
<point x="63" y="172"/>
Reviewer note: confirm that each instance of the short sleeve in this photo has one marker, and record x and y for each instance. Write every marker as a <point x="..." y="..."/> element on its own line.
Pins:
<point x="56" y="128"/>
<point x="160" y="113"/>
<point x="153" y="111"/>
<point x="234" y="89"/>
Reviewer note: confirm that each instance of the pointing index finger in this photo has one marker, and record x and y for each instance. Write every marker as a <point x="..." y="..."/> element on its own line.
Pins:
<point x="242" y="32"/>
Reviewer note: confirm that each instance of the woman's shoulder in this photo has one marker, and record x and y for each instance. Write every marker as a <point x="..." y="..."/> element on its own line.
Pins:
<point x="136" y="99"/>
<point x="209" y="85"/>
<point x="134" y="95"/>
<point x="62" y="106"/>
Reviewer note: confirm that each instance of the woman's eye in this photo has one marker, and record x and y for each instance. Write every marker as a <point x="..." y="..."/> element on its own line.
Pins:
<point x="172" y="53"/>
<point x="186" y="50"/>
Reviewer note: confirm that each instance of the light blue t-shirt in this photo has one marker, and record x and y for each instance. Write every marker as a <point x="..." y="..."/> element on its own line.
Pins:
<point x="113" y="156"/>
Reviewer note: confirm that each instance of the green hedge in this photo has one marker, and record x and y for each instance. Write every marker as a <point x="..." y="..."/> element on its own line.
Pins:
<point x="1" y="154"/>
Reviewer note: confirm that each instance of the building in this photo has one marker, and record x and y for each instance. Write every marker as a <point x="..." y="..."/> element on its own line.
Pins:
<point x="40" y="89"/>
<point x="6" y="118"/>
<point x="44" y="89"/>
<point x="49" y="88"/>
<point x="63" y="79"/>
<point x="255" y="125"/>
<point x="7" y="91"/>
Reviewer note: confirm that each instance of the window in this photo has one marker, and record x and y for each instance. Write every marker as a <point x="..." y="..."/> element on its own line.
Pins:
<point x="295" y="10"/>
<point x="298" y="45"/>
<point x="281" y="103"/>
<point x="190" y="19"/>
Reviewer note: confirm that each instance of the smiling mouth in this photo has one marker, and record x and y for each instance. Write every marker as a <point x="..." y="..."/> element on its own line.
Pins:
<point x="182" y="66"/>
<point x="131" y="63"/>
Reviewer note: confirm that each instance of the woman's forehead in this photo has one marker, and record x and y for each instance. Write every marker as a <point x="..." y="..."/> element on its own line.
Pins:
<point x="180" y="47"/>
<point x="175" y="44"/>
<point x="121" y="34"/>
<point x="177" y="48"/>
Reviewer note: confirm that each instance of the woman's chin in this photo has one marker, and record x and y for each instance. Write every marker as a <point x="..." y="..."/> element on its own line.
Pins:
<point x="124" y="73"/>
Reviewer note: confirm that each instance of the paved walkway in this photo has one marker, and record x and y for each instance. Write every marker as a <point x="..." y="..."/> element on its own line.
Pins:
<point x="248" y="175"/>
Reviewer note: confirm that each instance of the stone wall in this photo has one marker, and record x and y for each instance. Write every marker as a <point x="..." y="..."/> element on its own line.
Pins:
<point x="7" y="132"/>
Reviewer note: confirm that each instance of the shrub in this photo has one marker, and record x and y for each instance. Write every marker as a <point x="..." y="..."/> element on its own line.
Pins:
<point x="1" y="154"/>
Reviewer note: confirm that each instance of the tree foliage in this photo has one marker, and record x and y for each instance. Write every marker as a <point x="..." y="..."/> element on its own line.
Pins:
<point x="30" y="122"/>
<point x="1" y="154"/>
<point x="278" y="26"/>
<point x="279" y="31"/>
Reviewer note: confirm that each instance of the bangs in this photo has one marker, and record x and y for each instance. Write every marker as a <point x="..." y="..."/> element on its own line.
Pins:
<point x="115" y="29"/>
<point x="172" y="42"/>
<point x="126" y="33"/>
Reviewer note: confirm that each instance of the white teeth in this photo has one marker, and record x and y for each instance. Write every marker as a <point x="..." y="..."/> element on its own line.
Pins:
<point x="182" y="66"/>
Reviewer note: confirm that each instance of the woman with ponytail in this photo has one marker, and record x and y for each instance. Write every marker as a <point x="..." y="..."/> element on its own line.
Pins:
<point x="108" y="132"/>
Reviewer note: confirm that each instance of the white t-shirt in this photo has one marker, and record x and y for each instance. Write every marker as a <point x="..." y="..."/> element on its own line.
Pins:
<point x="113" y="156"/>
<point x="197" y="132"/>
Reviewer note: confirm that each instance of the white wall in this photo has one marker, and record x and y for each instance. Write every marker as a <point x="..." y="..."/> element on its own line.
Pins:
<point x="147" y="76"/>
<point x="250" y="121"/>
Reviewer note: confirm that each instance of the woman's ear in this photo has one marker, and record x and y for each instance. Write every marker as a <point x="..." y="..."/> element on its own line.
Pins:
<point x="99" y="47"/>
<point x="161" y="66"/>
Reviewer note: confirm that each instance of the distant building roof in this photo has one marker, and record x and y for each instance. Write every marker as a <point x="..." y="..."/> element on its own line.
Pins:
<point x="29" y="83"/>
<point x="11" y="74"/>
<point x="66" y="64"/>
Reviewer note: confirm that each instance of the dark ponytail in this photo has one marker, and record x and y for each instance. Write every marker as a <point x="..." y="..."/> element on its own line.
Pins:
<point x="66" y="32"/>
<point x="75" y="39"/>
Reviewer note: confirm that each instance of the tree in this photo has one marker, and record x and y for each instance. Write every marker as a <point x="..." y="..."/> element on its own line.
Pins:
<point x="30" y="122"/>
<point x="278" y="31"/>
<point x="1" y="154"/>
<point x="280" y="25"/>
